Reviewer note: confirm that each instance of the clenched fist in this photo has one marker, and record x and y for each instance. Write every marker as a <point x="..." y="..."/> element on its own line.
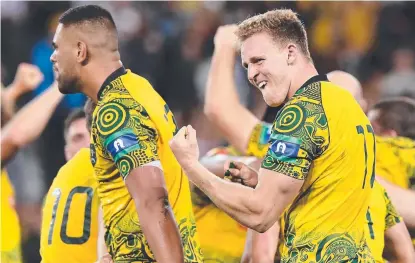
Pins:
<point x="184" y="146"/>
<point x="27" y="78"/>
<point x="225" y="37"/>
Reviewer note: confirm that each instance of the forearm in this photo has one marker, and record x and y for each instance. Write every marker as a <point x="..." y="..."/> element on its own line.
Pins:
<point x="239" y="201"/>
<point x="221" y="96"/>
<point x="215" y="164"/>
<point x="264" y="245"/>
<point x="398" y="245"/>
<point x="160" y="229"/>
<point x="403" y="200"/>
<point x="29" y="122"/>
<point x="221" y="88"/>
<point x="8" y="99"/>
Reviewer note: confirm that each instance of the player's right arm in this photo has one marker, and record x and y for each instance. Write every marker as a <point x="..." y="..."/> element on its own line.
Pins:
<point x="130" y="137"/>
<point x="222" y="105"/>
<point x="261" y="247"/>
<point x="29" y="122"/>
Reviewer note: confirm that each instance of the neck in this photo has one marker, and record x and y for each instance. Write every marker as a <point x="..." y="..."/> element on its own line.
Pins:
<point x="300" y="75"/>
<point x="95" y="76"/>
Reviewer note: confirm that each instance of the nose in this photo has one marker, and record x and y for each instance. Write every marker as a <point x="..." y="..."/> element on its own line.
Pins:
<point x="252" y="73"/>
<point x="53" y="57"/>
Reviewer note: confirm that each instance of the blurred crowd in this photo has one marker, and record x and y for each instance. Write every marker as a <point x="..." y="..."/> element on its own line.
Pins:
<point x="171" y="44"/>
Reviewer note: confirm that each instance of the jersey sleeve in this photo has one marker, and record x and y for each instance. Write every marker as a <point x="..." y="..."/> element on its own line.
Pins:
<point x="258" y="141"/>
<point x="392" y="217"/>
<point x="128" y="135"/>
<point x="299" y="135"/>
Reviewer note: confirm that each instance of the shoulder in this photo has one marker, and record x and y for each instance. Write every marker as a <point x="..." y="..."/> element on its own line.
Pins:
<point x="80" y="163"/>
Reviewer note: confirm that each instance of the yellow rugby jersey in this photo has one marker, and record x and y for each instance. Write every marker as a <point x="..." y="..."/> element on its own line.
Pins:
<point x="131" y="127"/>
<point x="10" y="227"/>
<point x="70" y="214"/>
<point x="221" y="237"/>
<point x="315" y="139"/>
<point x="395" y="160"/>
<point x="380" y="216"/>
<point x="258" y="141"/>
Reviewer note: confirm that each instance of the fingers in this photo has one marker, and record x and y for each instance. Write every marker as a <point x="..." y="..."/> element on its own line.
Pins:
<point x="191" y="133"/>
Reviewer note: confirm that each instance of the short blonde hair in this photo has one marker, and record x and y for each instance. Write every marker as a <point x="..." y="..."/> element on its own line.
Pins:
<point x="283" y="25"/>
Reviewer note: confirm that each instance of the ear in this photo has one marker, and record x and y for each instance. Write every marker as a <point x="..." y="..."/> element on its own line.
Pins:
<point x="389" y="133"/>
<point x="82" y="53"/>
<point x="292" y="54"/>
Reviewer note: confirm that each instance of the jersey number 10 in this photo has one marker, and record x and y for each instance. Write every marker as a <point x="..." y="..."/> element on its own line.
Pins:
<point x="360" y="130"/>
<point x="87" y="221"/>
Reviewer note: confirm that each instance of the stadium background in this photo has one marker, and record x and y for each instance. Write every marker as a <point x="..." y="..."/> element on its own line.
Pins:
<point x="170" y="43"/>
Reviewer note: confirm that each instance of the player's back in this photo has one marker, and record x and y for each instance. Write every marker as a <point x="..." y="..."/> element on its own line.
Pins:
<point x="395" y="160"/>
<point x="132" y="126"/>
<point x="327" y="218"/>
<point x="70" y="214"/>
<point x="10" y="227"/>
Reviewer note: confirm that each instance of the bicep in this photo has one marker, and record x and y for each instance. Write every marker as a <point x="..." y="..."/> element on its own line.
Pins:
<point x="146" y="185"/>
<point x="279" y="189"/>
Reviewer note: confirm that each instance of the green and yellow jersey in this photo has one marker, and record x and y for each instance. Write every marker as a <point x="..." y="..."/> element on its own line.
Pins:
<point x="131" y="127"/>
<point x="314" y="139"/>
<point x="10" y="228"/>
<point x="70" y="214"/>
<point x="395" y="160"/>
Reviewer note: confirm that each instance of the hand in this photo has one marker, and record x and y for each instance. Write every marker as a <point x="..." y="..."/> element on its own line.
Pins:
<point x="27" y="78"/>
<point x="225" y="37"/>
<point x="105" y="259"/>
<point x="242" y="172"/>
<point x="184" y="146"/>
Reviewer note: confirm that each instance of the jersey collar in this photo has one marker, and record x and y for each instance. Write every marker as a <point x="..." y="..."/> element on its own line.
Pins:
<point x="117" y="73"/>
<point x="316" y="78"/>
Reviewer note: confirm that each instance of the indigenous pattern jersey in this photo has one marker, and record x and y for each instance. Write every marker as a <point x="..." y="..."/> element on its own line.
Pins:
<point x="221" y="237"/>
<point x="380" y="216"/>
<point x="131" y="127"/>
<point x="395" y="160"/>
<point x="10" y="227"/>
<point x="70" y="214"/>
<point x="313" y="139"/>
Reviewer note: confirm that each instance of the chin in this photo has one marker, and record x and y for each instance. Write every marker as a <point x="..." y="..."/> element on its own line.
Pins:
<point x="273" y="102"/>
<point x="68" y="87"/>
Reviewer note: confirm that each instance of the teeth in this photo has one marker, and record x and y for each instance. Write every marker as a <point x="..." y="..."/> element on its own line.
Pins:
<point x="262" y="84"/>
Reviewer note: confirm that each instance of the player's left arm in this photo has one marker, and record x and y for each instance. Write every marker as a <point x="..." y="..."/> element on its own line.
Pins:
<point x="398" y="245"/>
<point x="403" y="200"/>
<point x="29" y="122"/>
<point x="130" y="138"/>
<point x="280" y="179"/>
